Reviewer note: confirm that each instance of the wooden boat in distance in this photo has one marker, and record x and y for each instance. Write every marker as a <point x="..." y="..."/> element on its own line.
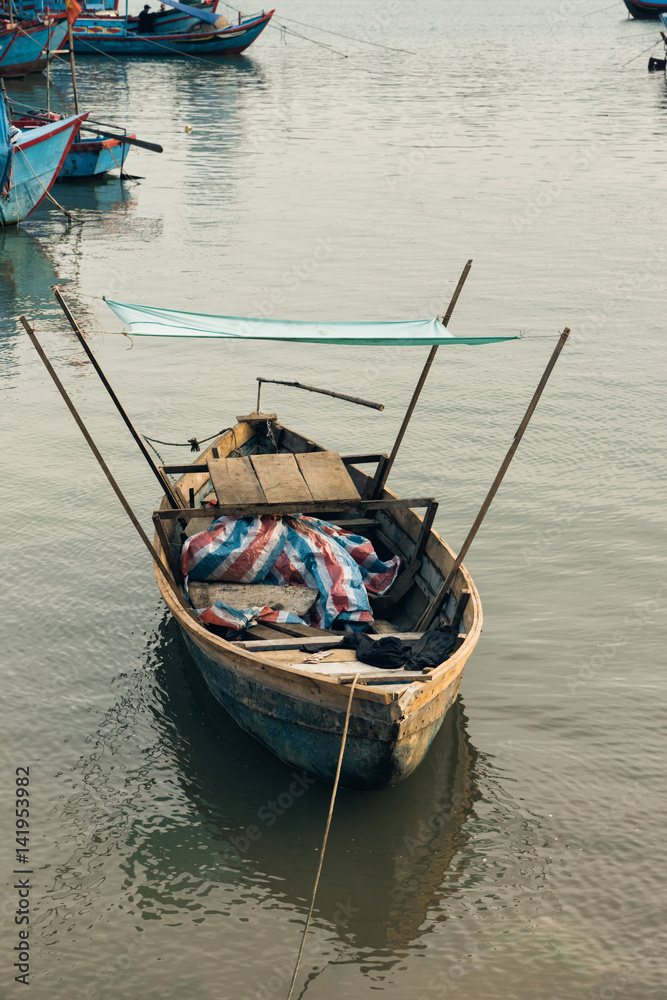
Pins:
<point x="646" y="10"/>
<point x="297" y="709"/>
<point x="116" y="40"/>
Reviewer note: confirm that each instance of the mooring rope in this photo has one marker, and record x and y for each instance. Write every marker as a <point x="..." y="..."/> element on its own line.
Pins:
<point x="45" y="190"/>
<point x="290" y="31"/>
<point x="326" y="835"/>
<point x="642" y="53"/>
<point x="365" y="41"/>
<point x="123" y="175"/>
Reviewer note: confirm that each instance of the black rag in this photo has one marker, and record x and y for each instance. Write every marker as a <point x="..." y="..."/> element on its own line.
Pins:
<point x="391" y="653"/>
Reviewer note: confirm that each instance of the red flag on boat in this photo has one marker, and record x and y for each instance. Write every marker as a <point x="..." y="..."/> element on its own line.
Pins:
<point x="73" y="10"/>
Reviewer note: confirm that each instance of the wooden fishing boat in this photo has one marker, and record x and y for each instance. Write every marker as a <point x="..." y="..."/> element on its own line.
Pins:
<point x="294" y="707"/>
<point x="28" y="46"/>
<point x="29" y="167"/>
<point x="646" y="10"/>
<point x="88" y="157"/>
<point x="117" y="39"/>
<point x="262" y="481"/>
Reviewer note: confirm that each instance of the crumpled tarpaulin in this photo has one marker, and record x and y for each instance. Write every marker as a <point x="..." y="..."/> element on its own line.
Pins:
<point x="292" y="551"/>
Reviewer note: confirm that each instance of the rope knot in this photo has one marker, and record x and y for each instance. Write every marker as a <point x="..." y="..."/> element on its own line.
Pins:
<point x="194" y="444"/>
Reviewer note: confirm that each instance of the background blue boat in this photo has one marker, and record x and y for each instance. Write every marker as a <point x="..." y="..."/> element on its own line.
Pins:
<point x="646" y="10"/>
<point x="28" y="46"/>
<point x="116" y="39"/>
<point x="89" y="156"/>
<point x="167" y="22"/>
<point x="94" y="156"/>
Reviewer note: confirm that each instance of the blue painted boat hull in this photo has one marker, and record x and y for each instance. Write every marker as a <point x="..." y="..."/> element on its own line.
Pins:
<point x="93" y="157"/>
<point x="23" y="48"/>
<point x="646" y="10"/>
<point x="34" y="164"/>
<point x="118" y="42"/>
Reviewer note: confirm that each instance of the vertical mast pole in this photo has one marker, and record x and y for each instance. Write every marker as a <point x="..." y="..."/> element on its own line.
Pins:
<point x="48" y="64"/>
<point x="72" y="66"/>
<point x="380" y="484"/>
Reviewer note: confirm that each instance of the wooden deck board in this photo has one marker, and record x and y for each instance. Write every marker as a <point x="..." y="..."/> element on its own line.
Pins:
<point x="299" y="600"/>
<point x="281" y="479"/>
<point x="295" y="643"/>
<point x="235" y="482"/>
<point x="326" y="476"/>
<point x="394" y="681"/>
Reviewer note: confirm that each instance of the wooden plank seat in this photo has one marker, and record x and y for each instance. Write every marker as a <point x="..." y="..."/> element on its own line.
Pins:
<point x="298" y="600"/>
<point x="311" y="477"/>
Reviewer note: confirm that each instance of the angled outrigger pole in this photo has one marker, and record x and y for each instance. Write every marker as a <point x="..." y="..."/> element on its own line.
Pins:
<point x="172" y="496"/>
<point x="436" y="604"/>
<point x="105" y="469"/>
<point x="384" y="469"/>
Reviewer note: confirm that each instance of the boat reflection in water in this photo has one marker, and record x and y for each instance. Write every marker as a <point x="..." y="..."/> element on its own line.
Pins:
<point x="26" y="273"/>
<point x="392" y="855"/>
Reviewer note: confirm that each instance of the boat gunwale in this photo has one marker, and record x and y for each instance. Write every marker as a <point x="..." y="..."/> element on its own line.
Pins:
<point x="417" y="693"/>
<point x="236" y="31"/>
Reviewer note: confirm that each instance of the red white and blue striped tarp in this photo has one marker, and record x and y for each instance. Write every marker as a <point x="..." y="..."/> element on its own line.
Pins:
<point x="293" y="551"/>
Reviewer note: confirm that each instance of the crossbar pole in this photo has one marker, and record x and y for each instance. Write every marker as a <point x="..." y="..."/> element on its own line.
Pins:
<point x="325" y="392"/>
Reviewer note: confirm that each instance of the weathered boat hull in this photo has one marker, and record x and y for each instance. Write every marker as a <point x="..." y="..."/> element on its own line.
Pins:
<point x="35" y="163"/>
<point x="380" y="750"/>
<point x="29" y="46"/>
<point x="225" y="41"/>
<point x="298" y="710"/>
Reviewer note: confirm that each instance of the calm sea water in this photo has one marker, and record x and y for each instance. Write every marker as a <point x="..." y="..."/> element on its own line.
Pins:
<point x="525" y="858"/>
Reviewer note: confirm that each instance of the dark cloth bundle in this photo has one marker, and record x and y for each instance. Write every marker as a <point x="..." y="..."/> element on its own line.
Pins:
<point x="433" y="647"/>
<point x="391" y="653"/>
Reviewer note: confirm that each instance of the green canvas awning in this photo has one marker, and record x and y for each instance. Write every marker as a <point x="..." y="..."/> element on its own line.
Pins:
<point x="151" y="321"/>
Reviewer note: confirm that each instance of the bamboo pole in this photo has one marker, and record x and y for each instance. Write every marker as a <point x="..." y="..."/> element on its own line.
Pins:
<point x="48" y="64"/>
<point x="105" y="469"/>
<point x="72" y="66"/>
<point x="379" y="485"/>
<point x="170" y="491"/>
<point x="434" y="607"/>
